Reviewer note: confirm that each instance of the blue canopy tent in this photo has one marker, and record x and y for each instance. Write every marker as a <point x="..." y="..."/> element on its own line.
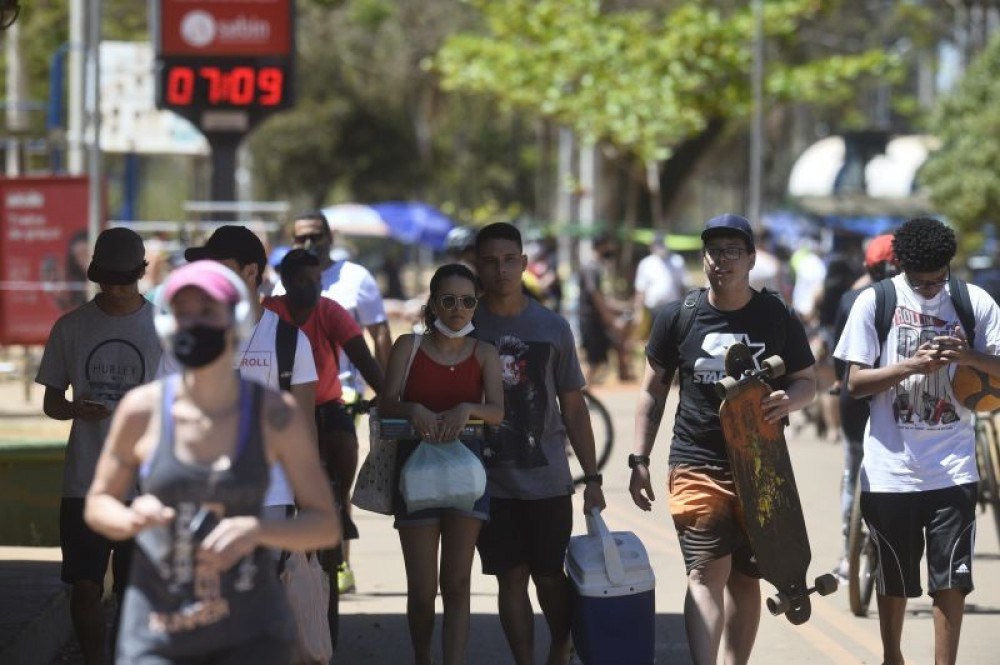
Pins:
<point x="415" y="223"/>
<point x="411" y="223"/>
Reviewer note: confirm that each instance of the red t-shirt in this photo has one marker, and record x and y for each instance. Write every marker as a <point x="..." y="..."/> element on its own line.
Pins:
<point x="328" y="328"/>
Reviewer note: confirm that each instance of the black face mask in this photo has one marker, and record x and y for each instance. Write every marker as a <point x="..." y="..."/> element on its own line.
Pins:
<point x="303" y="295"/>
<point x="198" y="346"/>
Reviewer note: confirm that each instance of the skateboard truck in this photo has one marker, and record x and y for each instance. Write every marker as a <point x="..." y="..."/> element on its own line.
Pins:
<point x="780" y="603"/>
<point x="730" y="386"/>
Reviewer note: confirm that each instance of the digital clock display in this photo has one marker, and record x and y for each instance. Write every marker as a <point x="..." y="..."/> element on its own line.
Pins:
<point x="219" y="85"/>
<point x="237" y="86"/>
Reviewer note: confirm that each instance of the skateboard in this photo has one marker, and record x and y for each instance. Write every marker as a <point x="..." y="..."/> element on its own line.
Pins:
<point x="765" y="485"/>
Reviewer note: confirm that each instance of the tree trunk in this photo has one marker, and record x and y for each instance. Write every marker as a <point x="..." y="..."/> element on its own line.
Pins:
<point x="676" y="170"/>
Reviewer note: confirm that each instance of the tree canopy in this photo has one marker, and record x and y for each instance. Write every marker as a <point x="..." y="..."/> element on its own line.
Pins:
<point x="635" y="79"/>
<point x="962" y="175"/>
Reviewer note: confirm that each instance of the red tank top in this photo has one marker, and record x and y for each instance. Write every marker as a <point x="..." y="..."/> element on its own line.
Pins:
<point x="441" y="387"/>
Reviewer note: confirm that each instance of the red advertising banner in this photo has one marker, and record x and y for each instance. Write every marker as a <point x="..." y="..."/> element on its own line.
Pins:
<point x="225" y="27"/>
<point x="44" y="254"/>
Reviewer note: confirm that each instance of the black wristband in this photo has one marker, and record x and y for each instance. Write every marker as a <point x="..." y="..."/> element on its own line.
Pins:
<point x="637" y="460"/>
<point x="594" y="478"/>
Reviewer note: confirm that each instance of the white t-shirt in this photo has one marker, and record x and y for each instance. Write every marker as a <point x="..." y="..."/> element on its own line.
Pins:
<point x="257" y="360"/>
<point x="660" y="280"/>
<point x="102" y="356"/>
<point x="354" y="288"/>
<point x="919" y="437"/>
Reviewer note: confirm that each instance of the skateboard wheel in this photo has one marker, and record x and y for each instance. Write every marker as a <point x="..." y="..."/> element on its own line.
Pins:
<point x="778" y="605"/>
<point x="774" y="366"/>
<point x="826" y="584"/>
<point x="725" y="388"/>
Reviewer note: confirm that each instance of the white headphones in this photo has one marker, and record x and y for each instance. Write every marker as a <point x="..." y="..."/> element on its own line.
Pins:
<point x="166" y="324"/>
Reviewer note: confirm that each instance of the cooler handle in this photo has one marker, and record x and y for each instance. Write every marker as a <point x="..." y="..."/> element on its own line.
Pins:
<point x="612" y="559"/>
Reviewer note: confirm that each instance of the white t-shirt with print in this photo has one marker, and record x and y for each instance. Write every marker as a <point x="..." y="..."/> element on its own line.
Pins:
<point x="257" y="360"/>
<point x="352" y="287"/>
<point x="919" y="437"/>
<point x="660" y="280"/>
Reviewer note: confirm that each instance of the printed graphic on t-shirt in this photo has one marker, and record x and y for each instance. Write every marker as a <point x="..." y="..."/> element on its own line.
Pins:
<point x="182" y="570"/>
<point x="921" y="398"/>
<point x="710" y="369"/>
<point x="257" y="365"/>
<point x="517" y="441"/>
<point x="114" y="367"/>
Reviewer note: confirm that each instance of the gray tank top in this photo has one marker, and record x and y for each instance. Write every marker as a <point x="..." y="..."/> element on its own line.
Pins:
<point x="173" y="608"/>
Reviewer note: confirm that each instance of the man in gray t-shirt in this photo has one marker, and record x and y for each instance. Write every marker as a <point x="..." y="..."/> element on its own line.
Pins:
<point x="101" y="350"/>
<point x="531" y="511"/>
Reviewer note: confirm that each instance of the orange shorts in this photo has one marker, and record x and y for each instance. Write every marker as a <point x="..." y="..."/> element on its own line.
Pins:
<point x="708" y="518"/>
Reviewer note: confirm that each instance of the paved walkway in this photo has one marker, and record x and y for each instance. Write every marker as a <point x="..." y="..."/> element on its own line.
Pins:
<point x="373" y="628"/>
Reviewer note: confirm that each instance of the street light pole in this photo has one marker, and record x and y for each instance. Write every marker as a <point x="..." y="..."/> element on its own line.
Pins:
<point x="92" y="115"/>
<point x="757" y="121"/>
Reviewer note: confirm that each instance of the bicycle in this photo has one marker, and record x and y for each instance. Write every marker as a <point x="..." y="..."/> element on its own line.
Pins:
<point x="604" y="435"/>
<point x="988" y="464"/>
<point x="862" y="560"/>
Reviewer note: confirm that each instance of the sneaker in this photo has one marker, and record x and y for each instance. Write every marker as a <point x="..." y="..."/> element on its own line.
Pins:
<point x="842" y="571"/>
<point x="345" y="579"/>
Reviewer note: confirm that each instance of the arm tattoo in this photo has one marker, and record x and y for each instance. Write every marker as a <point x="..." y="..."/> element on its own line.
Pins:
<point x="653" y="419"/>
<point x="279" y="415"/>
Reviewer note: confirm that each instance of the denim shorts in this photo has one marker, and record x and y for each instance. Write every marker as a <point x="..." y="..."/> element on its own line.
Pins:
<point x="480" y="510"/>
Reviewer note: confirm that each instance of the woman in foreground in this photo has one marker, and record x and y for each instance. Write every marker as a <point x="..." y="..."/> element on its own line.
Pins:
<point x="202" y="588"/>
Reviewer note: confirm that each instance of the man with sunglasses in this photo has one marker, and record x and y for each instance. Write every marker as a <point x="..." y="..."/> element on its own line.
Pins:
<point x="918" y="474"/>
<point x="354" y="288"/>
<point x="723" y="592"/>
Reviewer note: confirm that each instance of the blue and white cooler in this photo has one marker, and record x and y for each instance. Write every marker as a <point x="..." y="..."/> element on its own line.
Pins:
<point x="614" y="609"/>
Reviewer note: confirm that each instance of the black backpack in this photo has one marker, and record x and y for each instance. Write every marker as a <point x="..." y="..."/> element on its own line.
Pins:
<point x="285" y="340"/>
<point x="885" y="308"/>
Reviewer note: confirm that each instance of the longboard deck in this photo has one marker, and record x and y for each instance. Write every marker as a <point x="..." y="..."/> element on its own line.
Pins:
<point x="765" y="486"/>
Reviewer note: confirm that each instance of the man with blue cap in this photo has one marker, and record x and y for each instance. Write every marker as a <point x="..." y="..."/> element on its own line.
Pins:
<point x="692" y="336"/>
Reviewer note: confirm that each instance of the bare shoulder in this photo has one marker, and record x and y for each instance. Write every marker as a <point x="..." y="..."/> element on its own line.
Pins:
<point x="485" y="352"/>
<point x="141" y="401"/>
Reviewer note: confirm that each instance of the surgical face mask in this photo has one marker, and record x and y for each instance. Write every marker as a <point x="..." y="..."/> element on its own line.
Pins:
<point x="452" y="334"/>
<point x="199" y="345"/>
<point x="303" y="295"/>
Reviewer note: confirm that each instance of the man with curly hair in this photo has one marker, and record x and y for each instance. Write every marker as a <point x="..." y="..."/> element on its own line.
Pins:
<point x="918" y="473"/>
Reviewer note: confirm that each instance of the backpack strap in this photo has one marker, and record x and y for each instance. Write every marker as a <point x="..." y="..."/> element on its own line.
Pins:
<point x="885" y="308"/>
<point x="681" y="325"/>
<point x="959" y="291"/>
<point x="286" y="338"/>
<point x="685" y="316"/>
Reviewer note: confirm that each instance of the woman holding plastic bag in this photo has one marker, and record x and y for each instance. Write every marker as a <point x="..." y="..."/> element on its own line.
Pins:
<point x="438" y="386"/>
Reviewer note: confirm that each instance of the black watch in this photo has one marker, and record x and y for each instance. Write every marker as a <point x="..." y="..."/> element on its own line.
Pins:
<point x="594" y="478"/>
<point x="636" y="460"/>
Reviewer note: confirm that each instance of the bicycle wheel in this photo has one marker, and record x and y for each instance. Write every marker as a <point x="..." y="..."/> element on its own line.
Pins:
<point x="861" y="560"/>
<point x="988" y="459"/>
<point x="604" y="434"/>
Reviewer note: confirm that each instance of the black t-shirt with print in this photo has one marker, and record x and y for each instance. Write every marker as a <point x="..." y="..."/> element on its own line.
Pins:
<point x="700" y="358"/>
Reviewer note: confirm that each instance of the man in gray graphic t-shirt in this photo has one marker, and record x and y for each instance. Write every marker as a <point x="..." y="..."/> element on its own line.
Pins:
<point x="101" y="350"/>
<point x="531" y="510"/>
